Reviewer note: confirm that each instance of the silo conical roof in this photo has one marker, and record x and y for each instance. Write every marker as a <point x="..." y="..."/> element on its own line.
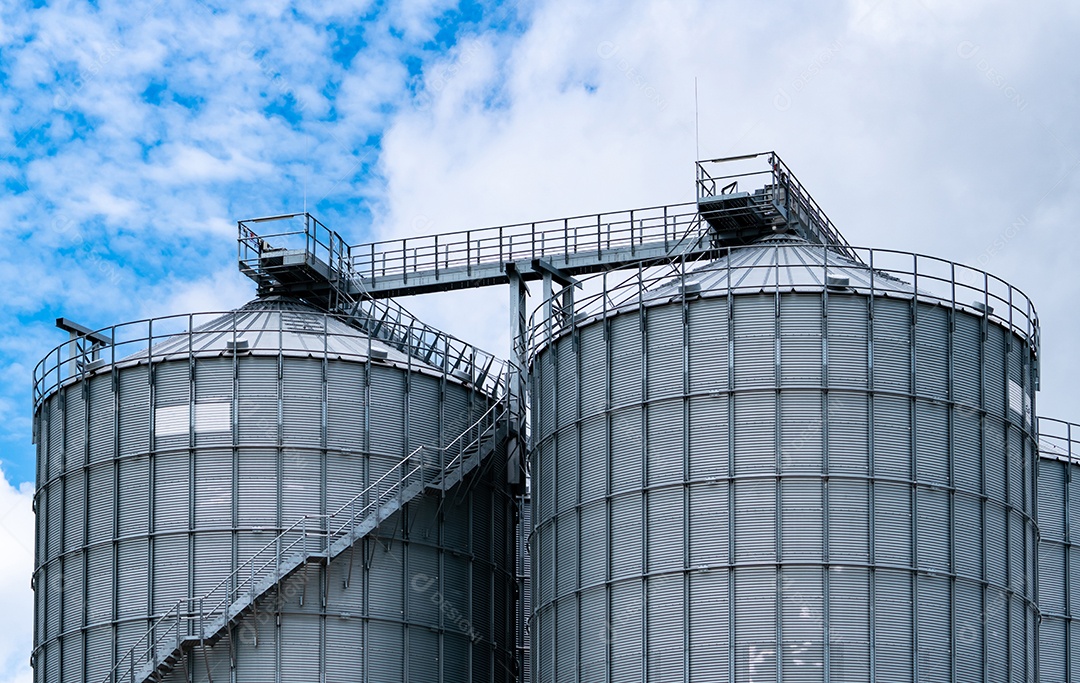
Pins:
<point x="786" y="262"/>
<point x="272" y="324"/>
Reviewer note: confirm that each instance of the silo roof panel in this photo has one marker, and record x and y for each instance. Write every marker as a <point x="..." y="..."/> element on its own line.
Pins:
<point x="272" y="325"/>
<point x="782" y="262"/>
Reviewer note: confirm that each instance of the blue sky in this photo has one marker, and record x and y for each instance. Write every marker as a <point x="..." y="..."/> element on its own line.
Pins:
<point x="134" y="135"/>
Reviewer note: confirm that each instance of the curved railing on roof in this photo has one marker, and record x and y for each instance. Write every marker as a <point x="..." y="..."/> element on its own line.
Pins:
<point x="886" y="272"/>
<point x="144" y="341"/>
<point x="1059" y="439"/>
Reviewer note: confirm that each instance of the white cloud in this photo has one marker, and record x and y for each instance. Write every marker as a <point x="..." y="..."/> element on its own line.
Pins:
<point x="16" y="566"/>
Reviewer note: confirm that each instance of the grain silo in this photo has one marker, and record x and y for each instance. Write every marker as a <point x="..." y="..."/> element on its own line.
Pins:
<point x="794" y="462"/>
<point x="1059" y="566"/>
<point x="756" y="454"/>
<point x="274" y="493"/>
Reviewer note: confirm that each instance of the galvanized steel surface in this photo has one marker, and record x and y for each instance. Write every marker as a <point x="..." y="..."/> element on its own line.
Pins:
<point x="1059" y="566"/>
<point x="783" y="481"/>
<point x="157" y="476"/>
<point x="524" y="601"/>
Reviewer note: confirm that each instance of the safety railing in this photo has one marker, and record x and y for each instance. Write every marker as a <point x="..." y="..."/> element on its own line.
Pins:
<point x="553" y="239"/>
<point x="181" y="336"/>
<point x="886" y="273"/>
<point x="310" y="535"/>
<point x="308" y="235"/>
<point x="1059" y="439"/>
<point x="390" y="321"/>
<point x="769" y="177"/>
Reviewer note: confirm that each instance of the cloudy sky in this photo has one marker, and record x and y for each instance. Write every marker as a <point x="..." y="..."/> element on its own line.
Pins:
<point x="134" y="135"/>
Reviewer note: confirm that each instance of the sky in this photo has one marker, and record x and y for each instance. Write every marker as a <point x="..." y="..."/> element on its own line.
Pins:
<point x="133" y="136"/>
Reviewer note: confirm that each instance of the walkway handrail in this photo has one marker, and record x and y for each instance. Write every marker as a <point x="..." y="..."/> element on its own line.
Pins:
<point x="548" y="239"/>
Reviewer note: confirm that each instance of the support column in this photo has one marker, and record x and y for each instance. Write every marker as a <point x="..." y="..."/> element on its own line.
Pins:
<point x="516" y="380"/>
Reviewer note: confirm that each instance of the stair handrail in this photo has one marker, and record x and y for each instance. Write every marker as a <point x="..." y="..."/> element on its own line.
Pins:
<point x="696" y="224"/>
<point x="503" y="409"/>
<point x="495" y="412"/>
<point x="280" y="550"/>
<point x="151" y="648"/>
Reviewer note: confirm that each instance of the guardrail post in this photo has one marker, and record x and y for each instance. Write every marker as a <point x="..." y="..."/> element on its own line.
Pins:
<point x="324" y="529"/>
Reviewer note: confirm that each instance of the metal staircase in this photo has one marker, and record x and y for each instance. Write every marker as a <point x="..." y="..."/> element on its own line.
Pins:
<point x="203" y="621"/>
<point x="775" y="202"/>
<point x="302" y="258"/>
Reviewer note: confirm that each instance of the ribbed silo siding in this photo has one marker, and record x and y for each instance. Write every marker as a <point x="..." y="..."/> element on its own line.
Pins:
<point x="136" y="511"/>
<point x="824" y="464"/>
<point x="1059" y="568"/>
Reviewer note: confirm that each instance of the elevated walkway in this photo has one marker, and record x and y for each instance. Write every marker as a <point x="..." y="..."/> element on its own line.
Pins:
<point x="320" y="262"/>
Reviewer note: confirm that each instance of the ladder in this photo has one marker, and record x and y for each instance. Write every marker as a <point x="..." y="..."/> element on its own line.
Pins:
<point x="203" y="621"/>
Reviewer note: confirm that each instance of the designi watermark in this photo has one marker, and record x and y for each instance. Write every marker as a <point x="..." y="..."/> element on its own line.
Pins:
<point x="422" y="583"/>
<point x="608" y="50"/>
<point x="968" y="50"/>
<point x="280" y="83"/>
<point x="444" y="75"/>
<point x="782" y="100"/>
<point x="62" y="99"/>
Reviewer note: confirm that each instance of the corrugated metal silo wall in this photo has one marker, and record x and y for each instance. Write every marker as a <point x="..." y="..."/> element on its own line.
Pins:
<point x="1059" y="566"/>
<point x="524" y="602"/>
<point x="799" y="487"/>
<point x="136" y="511"/>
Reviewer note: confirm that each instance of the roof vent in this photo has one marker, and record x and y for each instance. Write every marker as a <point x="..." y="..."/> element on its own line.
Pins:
<point x="982" y="307"/>
<point x="837" y="281"/>
<point x="461" y="375"/>
<point x="690" y="288"/>
<point x="379" y="354"/>
<point x="95" y="364"/>
<point x="236" y="346"/>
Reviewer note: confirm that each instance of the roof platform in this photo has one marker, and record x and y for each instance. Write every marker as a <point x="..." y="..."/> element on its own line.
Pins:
<point x="751" y="196"/>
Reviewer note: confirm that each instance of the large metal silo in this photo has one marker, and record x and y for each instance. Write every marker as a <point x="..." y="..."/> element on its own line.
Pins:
<point x="1059" y="565"/>
<point x="170" y="461"/>
<point x="785" y="465"/>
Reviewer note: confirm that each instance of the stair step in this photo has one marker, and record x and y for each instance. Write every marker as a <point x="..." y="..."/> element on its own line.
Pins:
<point x="217" y="626"/>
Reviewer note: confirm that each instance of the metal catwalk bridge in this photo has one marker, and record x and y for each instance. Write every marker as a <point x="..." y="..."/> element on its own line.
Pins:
<point x="739" y="200"/>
